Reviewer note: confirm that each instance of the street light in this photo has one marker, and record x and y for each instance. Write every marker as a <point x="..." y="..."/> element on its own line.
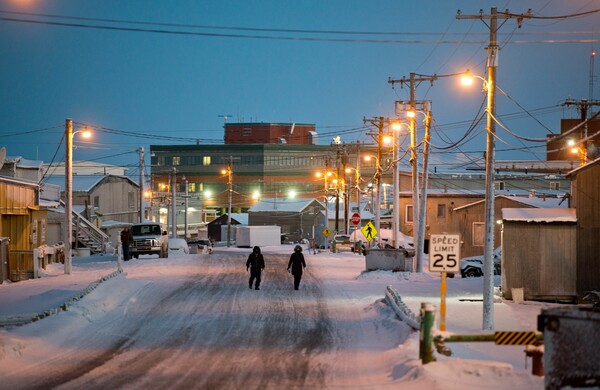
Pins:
<point x="229" y="183"/>
<point x="326" y="176"/>
<point x="578" y="149"/>
<point x="68" y="222"/>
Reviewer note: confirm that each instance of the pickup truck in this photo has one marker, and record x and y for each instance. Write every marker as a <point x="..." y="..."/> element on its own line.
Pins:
<point x="149" y="239"/>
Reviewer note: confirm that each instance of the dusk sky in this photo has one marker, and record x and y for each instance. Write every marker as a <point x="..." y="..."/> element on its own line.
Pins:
<point x="160" y="69"/>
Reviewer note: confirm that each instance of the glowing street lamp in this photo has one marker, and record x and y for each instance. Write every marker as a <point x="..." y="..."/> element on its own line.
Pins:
<point x="68" y="221"/>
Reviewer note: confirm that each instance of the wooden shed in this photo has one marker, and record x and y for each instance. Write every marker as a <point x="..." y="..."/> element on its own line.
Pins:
<point x="538" y="253"/>
<point x="214" y="227"/>
<point x="298" y="218"/>
<point x="23" y="223"/>
<point x="585" y="198"/>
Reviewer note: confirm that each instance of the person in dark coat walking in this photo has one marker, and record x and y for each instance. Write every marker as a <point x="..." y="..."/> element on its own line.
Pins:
<point x="255" y="263"/>
<point x="126" y="240"/>
<point x="297" y="264"/>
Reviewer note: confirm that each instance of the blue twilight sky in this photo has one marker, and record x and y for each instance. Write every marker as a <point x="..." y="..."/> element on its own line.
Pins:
<point x="142" y="87"/>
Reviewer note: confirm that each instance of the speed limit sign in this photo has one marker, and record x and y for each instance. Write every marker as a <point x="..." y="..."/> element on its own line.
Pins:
<point x="444" y="253"/>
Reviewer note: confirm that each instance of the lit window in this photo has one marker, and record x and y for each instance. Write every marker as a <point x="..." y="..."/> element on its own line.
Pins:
<point x="206" y="160"/>
<point x="176" y="160"/>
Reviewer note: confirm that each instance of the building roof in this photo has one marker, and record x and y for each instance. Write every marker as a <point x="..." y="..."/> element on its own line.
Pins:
<point x="24" y="163"/>
<point x="279" y="204"/>
<point x="83" y="183"/>
<point x="539" y="215"/>
<point x="574" y="172"/>
<point x="533" y="202"/>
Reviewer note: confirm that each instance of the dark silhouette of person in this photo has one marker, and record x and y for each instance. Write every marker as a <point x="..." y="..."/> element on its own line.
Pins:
<point x="126" y="240"/>
<point x="255" y="263"/>
<point x="296" y="264"/>
<point x="369" y="233"/>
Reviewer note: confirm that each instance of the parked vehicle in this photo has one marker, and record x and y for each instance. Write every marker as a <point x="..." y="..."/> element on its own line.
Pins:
<point x="178" y="245"/>
<point x="473" y="266"/>
<point x="149" y="239"/>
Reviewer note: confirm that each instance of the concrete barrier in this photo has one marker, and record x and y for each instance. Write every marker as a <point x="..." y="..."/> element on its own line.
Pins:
<point x="388" y="260"/>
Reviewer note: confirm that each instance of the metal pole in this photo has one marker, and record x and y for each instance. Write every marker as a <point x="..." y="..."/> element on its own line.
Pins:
<point x="378" y="182"/>
<point x="68" y="229"/>
<point x="488" y="258"/>
<point x="358" y="181"/>
<point x="229" y="210"/>
<point x="142" y="168"/>
<point x="423" y="200"/>
<point x="185" y="215"/>
<point x="395" y="191"/>
<point x="173" y="203"/>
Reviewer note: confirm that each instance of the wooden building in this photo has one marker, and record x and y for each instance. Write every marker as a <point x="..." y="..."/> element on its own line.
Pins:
<point x="23" y="223"/>
<point x="104" y="197"/>
<point x="215" y="227"/>
<point x="298" y="218"/>
<point x="538" y="253"/>
<point x="469" y="220"/>
<point x="585" y="198"/>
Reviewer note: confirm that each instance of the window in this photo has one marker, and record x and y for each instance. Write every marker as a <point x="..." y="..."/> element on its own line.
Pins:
<point x="441" y="210"/>
<point x="96" y="201"/>
<point x="206" y="160"/>
<point x="176" y="160"/>
<point x="247" y="131"/>
<point x="554" y="185"/>
<point x="131" y="199"/>
<point x="191" y="187"/>
<point x="478" y="233"/>
<point x="408" y="216"/>
<point x="499" y="185"/>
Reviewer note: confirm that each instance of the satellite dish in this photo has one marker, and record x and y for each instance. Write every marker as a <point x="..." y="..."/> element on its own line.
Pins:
<point x="2" y="156"/>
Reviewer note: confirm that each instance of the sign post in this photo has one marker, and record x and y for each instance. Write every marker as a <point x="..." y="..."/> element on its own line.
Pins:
<point x="444" y="255"/>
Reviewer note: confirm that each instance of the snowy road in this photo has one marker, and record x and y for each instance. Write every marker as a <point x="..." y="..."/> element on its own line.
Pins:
<point x="197" y="325"/>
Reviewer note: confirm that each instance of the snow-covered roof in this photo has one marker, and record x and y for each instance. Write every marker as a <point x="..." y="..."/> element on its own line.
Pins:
<point x="25" y="163"/>
<point x="583" y="167"/>
<point x="49" y="204"/>
<point x="289" y="205"/>
<point x="533" y="202"/>
<point x="539" y="214"/>
<point x="83" y="183"/>
<point x="242" y="218"/>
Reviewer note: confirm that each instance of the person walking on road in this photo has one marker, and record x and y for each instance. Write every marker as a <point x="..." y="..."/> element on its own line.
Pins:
<point x="297" y="264"/>
<point x="126" y="240"/>
<point x="255" y="263"/>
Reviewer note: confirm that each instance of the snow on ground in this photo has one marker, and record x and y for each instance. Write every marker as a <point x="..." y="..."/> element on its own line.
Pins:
<point x="389" y="349"/>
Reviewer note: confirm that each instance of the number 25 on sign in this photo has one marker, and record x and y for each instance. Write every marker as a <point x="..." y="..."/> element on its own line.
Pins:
<point x="444" y="252"/>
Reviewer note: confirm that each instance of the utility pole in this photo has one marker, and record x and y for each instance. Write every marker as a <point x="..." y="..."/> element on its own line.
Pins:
<point x="68" y="227"/>
<point x="379" y="122"/>
<point x="337" y="190"/>
<point x="411" y="108"/>
<point x="492" y="64"/>
<point x="174" y="203"/>
<point x="229" y="188"/>
<point x="583" y="106"/>
<point x="186" y="198"/>
<point x="345" y="190"/>
<point x="423" y="205"/>
<point x="142" y="168"/>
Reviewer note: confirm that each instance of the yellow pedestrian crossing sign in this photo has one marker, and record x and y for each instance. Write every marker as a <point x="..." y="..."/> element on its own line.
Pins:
<point x="369" y="231"/>
<point x="326" y="232"/>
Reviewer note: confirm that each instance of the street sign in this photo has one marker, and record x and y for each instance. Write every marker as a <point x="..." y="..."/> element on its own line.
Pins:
<point x="326" y="232"/>
<point x="369" y="231"/>
<point x="356" y="218"/>
<point x="444" y="253"/>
